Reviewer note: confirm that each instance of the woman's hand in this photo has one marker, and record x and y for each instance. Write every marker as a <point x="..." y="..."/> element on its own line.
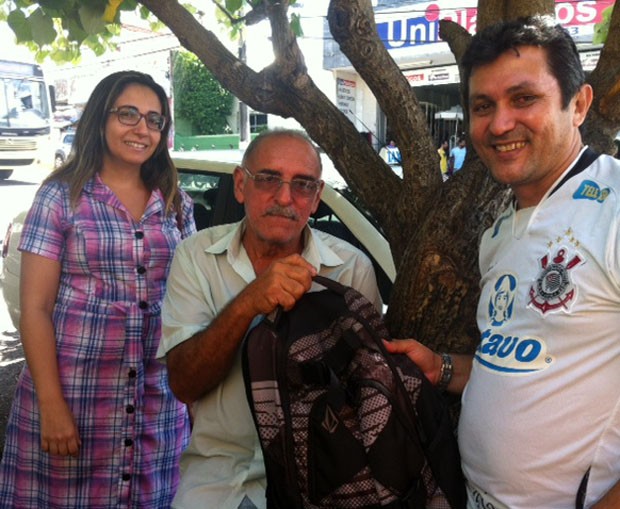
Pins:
<point x="59" y="433"/>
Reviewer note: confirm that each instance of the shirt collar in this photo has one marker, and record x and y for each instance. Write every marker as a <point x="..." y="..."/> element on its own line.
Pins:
<point x="315" y="251"/>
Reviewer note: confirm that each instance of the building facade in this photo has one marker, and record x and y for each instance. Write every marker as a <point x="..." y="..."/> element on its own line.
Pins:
<point x="409" y="30"/>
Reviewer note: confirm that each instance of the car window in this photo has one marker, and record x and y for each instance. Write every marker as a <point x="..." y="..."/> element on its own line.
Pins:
<point x="203" y="188"/>
<point x="69" y="139"/>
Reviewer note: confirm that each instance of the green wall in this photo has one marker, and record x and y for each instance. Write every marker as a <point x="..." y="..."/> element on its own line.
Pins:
<point x="206" y="142"/>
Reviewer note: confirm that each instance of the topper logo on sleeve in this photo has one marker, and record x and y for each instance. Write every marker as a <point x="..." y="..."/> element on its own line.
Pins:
<point x="589" y="190"/>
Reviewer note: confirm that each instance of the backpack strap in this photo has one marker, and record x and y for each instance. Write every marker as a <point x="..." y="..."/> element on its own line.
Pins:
<point x="330" y="284"/>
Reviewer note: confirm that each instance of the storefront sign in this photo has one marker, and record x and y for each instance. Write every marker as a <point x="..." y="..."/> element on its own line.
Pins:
<point x="435" y="76"/>
<point x="345" y="97"/>
<point x="419" y="24"/>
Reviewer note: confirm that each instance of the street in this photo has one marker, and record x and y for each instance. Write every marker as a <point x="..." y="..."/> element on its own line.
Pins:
<point x="16" y="194"/>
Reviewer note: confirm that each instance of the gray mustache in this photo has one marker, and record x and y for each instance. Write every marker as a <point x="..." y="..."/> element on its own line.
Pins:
<point x="286" y="212"/>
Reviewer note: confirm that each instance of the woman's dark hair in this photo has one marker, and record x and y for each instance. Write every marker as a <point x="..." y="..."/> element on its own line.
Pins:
<point x="89" y="144"/>
<point x="562" y="55"/>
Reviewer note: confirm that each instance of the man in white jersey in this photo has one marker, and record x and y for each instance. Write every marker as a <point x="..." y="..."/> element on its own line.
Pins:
<point x="540" y="419"/>
<point x="221" y="281"/>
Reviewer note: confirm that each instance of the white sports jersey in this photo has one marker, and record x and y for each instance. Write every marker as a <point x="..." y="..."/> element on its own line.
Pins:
<point x="542" y="405"/>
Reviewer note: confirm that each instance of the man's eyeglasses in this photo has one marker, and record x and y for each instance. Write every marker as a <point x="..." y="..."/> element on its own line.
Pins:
<point x="269" y="183"/>
<point x="128" y="115"/>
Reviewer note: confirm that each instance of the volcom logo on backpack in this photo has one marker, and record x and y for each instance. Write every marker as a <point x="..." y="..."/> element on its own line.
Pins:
<point x="342" y="423"/>
<point x="330" y="421"/>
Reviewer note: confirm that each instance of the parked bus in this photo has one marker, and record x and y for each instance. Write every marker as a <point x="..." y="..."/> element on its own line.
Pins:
<point x="26" y="115"/>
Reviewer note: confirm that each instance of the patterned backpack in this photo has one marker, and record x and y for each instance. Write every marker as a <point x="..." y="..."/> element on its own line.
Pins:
<point x="342" y="423"/>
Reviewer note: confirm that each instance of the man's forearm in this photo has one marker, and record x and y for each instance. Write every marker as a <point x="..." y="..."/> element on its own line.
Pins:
<point x="200" y="363"/>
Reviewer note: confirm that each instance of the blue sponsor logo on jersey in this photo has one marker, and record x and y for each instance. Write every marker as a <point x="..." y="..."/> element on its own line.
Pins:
<point x="512" y="354"/>
<point x="589" y="190"/>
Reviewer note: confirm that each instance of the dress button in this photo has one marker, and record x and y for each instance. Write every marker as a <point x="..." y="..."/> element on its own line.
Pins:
<point x="130" y="409"/>
<point x="128" y="442"/>
<point x="139" y="235"/>
<point x="141" y="269"/>
<point x="132" y="373"/>
<point x="126" y="477"/>
<point x="143" y="304"/>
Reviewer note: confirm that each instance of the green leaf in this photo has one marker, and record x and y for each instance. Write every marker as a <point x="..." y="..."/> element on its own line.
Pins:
<point x="74" y="29"/>
<point x="601" y="30"/>
<point x="233" y="5"/>
<point x="91" y="19"/>
<point x="144" y="13"/>
<point x="58" y="5"/>
<point x="42" y="26"/>
<point x="114" y="29"/>
<point x="295" y="24"/>
<point x="156" y="26"/>
<point x="190" y="8"/>
<point x="20" y="25"/>
<point x="129" y="5"/>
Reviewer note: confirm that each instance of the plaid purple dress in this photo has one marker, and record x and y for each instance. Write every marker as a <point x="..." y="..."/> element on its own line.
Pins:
<point x="107" y="322"/>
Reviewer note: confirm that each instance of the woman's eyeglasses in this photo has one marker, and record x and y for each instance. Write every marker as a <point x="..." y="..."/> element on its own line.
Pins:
<point x="128" y="115"/>
<point x="270" y="183"/>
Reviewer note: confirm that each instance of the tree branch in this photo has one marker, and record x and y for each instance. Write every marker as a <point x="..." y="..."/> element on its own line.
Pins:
<point x="352" y="24"/>
<point x="603" y="121"/>
<point x="492" y="11"/>
<point x="257" y="14"/>
<point x="606" y="75"/>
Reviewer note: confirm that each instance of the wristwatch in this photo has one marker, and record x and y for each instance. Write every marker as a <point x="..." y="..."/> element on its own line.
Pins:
<point x="445" y="374"/>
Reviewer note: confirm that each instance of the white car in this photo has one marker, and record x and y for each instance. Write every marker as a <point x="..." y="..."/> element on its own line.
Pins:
<point x="64" y="149"/>
<point x="209" y="182"/>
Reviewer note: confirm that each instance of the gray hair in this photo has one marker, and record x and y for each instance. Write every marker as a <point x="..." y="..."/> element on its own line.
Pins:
<point x="284" y="133"/>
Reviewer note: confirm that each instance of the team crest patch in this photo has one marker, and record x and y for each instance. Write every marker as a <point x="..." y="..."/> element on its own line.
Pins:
<point x="553" y="289"/>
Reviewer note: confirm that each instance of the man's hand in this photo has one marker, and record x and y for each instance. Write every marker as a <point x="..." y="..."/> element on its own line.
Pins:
<point x="427" y="360"/>
<point x="281" y="284"/>
<point x="430" y="362"/>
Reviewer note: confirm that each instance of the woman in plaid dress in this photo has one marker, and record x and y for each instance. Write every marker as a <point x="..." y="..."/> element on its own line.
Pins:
<point x="93" y="423"/>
